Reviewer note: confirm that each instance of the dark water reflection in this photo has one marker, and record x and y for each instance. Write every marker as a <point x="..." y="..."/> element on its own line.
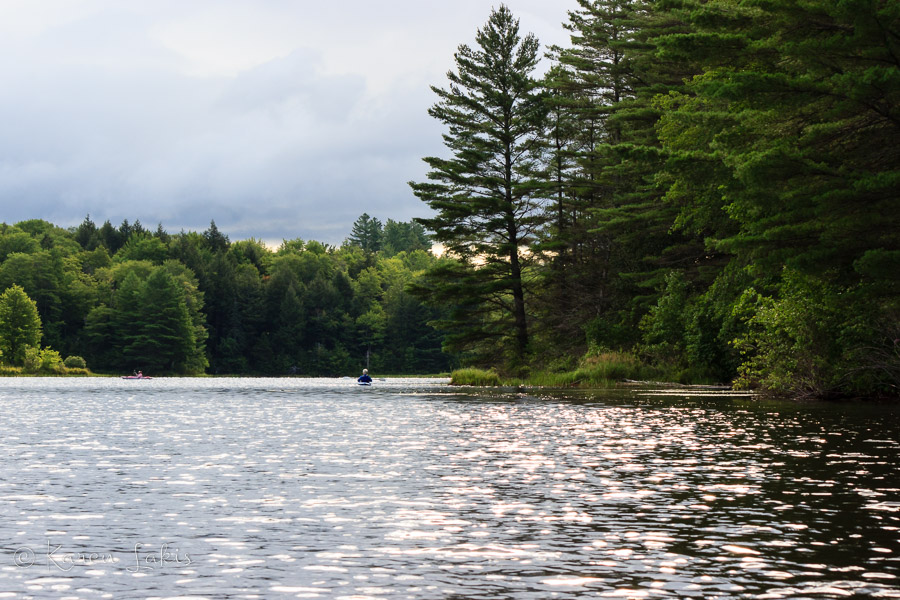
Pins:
<point x="317" y="489"/>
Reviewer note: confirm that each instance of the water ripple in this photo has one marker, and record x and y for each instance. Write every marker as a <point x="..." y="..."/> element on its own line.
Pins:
<point x="243" y="488"/>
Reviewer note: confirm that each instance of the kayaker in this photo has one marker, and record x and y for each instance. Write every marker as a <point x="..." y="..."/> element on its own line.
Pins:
<point x="364" y="378"/>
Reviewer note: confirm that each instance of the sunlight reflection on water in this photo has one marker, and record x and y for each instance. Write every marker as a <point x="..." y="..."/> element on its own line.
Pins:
<point x="241" y="488"/>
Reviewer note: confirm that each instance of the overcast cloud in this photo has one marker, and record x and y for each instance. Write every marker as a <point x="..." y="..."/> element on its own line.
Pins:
<point x="277" y="119"/>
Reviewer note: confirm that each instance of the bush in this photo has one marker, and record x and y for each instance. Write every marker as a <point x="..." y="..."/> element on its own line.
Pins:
<point x="51" y="362"/>
<point x="46" y="361"/>
<point x="794" y="341"/>
<point x="32" y="362"/>
<point x="75" y="362"/>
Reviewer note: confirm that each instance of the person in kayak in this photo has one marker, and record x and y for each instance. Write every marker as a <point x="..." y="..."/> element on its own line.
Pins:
<point x="364" y="378"/>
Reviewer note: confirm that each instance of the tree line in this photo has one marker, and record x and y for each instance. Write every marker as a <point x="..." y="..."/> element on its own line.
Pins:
<point x="126" y="298"/>
<point x="709" y="185"/>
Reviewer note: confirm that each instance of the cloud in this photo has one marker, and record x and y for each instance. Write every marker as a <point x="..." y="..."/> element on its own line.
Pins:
<point x="295" y="82"/>
<point x="277" y="119"/>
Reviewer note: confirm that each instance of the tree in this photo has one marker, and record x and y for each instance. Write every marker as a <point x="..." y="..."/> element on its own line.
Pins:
<point x="787" y="150"/>
<point x="162" y="335"/>
<point x="366" y="233"/>
<point x="87" y="234"/>
<point x="404" y="237"/>
<point x="110" y="237"/>
<point x="215" y="239"/>
<point x="20" y="325"/>
<point x="143" y="247"/>
<point x="586" y="86"/>
<point x="15" y="241"/>
<point x="40" y="275"/>
<point x="487" y="195"/>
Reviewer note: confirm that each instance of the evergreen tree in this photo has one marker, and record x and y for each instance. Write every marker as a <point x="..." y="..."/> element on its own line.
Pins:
<point x="100" y="344"/>
<point x="20" y="325"/>
<point x="787" y="151"/>
<point x="127" y="320"/>
<point x="194" y="301"/>
<point x="125" y="230"/>
<point x="366" y="233"/>
<point x="588" y="85"/>
<point x="220" y="296"/>
<point x="110" y="237"/>
<point x="216" y="241"/>
<point x="162" y="234"/>
<point x="404" y="237"/>
<point x="87" y="235"/>
<point x="161" y="337"/>
<point x="138" y="228"/>
<point x="487" y="195"/>
<point x="288" y="329"/>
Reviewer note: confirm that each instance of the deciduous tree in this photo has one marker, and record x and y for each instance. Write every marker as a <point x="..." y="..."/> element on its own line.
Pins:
<point x="20" y="325"/>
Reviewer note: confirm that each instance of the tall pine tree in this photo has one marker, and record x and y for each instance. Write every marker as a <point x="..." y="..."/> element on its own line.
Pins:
<point x="487" y="195"/>
<point x="591" y="79"/>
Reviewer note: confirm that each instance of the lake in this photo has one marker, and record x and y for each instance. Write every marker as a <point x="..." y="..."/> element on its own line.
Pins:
<point x="318" y="488"/>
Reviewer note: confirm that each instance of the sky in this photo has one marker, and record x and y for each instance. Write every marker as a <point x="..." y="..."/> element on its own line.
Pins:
<point x="278" y="119"/>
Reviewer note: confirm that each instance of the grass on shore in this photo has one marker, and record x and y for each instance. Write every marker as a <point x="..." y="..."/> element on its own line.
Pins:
<point x="473" y="376"/>
<point x="600" y="370"/>
<point x="10" y="371"/>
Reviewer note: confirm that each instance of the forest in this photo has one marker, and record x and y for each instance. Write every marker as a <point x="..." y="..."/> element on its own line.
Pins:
<point x="125" y="298"/>
<point x="705" y="188"/>
<point x="709" y="187"/>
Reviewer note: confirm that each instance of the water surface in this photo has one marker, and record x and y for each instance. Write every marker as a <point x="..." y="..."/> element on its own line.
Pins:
<point x="292" y="488"/>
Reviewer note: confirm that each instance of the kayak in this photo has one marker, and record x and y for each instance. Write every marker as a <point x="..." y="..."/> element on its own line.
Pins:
<point x="364" y="383"/>
<point x="135" y="377"/>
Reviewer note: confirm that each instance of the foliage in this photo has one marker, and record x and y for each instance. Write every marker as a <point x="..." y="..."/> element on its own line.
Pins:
<point x="612" y="366"/>
<point x="75" y="362"/>
<point x="127" y="298"/>
<point x="472" y="376"/>
<point x="700" y="190"/>
<point x="404" y="237"/>
<point x="818" y="339"/>
<point x="20" y="325"/>
<point x="594" y="370"/>
<point x="486" y="195"/>
<point x="46" y="361"/>
<point x="718" y="197"/>
<point x="366" y="233"/>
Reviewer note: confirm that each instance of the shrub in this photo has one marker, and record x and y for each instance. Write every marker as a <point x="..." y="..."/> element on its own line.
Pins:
<point x="51" y="362"/>
<point x="32" y="361"/>
<point x="47" y="361"/>
<point x="792" y="344"/>
<point x="75" y="362"/>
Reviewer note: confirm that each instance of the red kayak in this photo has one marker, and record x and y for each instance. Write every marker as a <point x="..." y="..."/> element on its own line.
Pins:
<point x="135" y="377"/>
